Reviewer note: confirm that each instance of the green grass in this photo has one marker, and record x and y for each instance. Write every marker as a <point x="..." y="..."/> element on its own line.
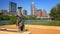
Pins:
<point x="12" y="20"/>
<point x="46" y="23"/>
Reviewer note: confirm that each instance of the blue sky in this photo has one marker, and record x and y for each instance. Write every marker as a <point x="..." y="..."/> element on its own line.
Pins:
<point x="26" y="4"/>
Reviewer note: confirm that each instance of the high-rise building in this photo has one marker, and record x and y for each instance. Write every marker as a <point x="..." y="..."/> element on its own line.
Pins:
<point x="12" y="8"/>
<point x="0" y="11"/>
<point x="33" y="9"/>
<point x="39" y="13"/>
<point x="44" y="13"/>
<point x="4" y="12"/>
<point x="25" y="12"/>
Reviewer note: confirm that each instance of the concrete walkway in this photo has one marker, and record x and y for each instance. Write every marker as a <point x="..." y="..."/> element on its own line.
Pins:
<point x="33" y="29"/>
<point x="40" y="29"/>
<point x="44" y="27"/>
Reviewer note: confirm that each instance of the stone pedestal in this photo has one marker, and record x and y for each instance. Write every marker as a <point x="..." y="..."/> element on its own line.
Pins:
<point x="12" y="31"/>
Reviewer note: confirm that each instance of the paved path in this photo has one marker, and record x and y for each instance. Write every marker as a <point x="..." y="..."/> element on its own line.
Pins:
<point x="44" y="27"/>
<point x="11" y="30"/>
<point x="37" y="29"/>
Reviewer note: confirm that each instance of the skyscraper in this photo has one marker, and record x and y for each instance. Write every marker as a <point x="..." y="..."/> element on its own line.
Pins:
<point x="39" y="13"/>
<point x="33" y="9"/>
<point x="4" y="12"/>
<point x="44" y="13"/>
<point x="12" y="8"/>
<point x="25" y="12"/>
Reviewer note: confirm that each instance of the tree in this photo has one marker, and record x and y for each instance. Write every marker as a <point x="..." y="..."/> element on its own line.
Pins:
<point x="58" y="10"/>
<point x="55" y="12"/>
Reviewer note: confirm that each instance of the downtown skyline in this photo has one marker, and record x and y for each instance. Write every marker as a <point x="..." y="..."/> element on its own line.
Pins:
<point x="26" y="4"/>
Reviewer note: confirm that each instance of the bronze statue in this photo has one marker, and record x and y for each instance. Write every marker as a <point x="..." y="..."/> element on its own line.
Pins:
<point x="20" y="21"/>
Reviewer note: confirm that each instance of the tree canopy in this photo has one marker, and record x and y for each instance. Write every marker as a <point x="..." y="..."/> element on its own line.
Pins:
<point x="55" y="12"/>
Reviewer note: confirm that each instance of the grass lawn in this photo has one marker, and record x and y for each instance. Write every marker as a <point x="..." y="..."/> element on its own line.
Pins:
<point x="46" y="23"/>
